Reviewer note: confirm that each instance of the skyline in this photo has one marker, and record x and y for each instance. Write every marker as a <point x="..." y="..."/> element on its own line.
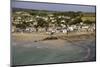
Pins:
<point x="52" y="6"/>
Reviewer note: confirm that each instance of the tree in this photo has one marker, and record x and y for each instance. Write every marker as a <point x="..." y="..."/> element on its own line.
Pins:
<point x="42" y="23"/>
<point x="88" y="22"/>
<point x="75" y="21"/>
<point x="22" y="22"/>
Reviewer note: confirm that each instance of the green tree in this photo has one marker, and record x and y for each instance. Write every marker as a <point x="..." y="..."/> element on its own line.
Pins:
<point x="88" y="22"/>
<point x="75" y="21"/>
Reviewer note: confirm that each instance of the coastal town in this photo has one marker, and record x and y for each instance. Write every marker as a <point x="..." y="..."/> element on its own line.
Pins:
<point x="43" y="36"/>
<point x="56" y="22"/>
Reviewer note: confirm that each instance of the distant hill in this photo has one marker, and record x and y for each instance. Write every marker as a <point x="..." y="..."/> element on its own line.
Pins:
<point x="85" y="15"/>
<point x="21" y="9"/>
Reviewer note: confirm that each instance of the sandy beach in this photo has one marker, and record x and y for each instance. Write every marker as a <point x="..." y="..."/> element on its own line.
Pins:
<point x="39" y="36"/>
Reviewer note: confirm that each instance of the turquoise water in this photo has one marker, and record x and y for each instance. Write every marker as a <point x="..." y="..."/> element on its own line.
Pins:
<point x="33" y="54"/>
